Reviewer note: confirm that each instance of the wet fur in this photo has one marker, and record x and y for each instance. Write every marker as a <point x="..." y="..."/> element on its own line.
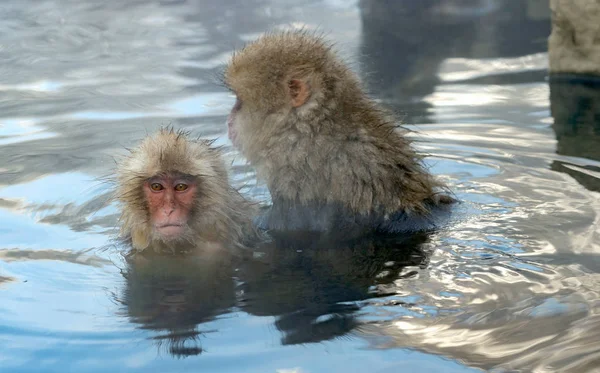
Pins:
<point x="340" y="148"/>
<point x="220" y="214"/>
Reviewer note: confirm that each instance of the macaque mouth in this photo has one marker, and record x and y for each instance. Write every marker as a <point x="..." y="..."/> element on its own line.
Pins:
<point x="170" y="229"/>
<point x="170" y="225"/>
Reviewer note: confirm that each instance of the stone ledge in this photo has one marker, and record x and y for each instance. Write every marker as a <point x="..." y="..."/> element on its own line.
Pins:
<point x="574" y="44"/>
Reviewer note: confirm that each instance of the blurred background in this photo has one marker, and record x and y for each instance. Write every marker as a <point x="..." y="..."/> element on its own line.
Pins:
<point x="510" y="285"/>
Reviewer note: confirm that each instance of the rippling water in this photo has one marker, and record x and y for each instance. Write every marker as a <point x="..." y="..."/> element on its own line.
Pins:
<point x="511" y="285"/>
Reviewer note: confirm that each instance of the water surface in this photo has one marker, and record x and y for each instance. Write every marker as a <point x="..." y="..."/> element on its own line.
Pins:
<point x="511" y="285"/>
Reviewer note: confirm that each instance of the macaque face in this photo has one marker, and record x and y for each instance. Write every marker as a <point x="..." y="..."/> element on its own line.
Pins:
<point x="244" y="115"/>
<point x="232" y="122"/>
<point x="170" y="201"/>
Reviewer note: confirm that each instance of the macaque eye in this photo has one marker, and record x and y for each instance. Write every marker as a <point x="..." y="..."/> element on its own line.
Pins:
<point x="156" y="187"/>
<point x="181" y="187"/>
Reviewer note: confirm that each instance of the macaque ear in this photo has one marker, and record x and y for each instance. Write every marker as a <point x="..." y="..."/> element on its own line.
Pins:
<point x="299" y="92"/>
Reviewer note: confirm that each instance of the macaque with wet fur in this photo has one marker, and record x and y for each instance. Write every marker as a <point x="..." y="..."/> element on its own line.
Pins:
<point x="175" y="195"/>
<point x="330" y="156"/>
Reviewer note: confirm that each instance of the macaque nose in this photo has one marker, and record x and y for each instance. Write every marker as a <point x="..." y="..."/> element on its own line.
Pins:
<point x="168" y="209"/>
<point x="169" y="205"/>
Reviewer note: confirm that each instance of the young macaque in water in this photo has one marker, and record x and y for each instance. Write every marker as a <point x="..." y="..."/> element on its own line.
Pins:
<point x="331" y="157"/>
<point x="175" y="196"/>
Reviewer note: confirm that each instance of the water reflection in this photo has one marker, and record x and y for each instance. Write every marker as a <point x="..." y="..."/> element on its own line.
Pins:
<point x="5" y="279"/>
<point x="555" y="334"/>
<point x="84" y="257"/>
<point x="174" y="295"/>
<point x="314" y="284"/>
<point x="575" y="106"/>
<point x="510" y="289"/>
<point x="404" y="43"/>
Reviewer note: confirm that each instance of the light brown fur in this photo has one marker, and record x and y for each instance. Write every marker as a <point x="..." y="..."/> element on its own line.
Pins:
<point x="219" y="213"/>
<point x="338" y="146"/>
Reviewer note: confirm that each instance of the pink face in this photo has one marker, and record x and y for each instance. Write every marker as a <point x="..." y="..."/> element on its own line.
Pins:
<point x="231" y="122"/>
<point x="170" y="200"/>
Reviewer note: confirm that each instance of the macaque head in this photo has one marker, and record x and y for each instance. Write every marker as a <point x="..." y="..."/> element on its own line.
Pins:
<point x="173" y="191"/>
<point x="279" y="80"/>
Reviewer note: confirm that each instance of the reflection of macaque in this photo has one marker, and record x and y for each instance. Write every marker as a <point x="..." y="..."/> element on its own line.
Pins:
<point x="302" y="119"/>
<point x="173" y="294"/>
<point x="313" y="285"/>
<point x="175" y="195"/>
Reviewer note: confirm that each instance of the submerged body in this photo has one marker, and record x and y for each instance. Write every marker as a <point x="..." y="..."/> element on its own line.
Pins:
<point x="341" y="222"/>
<point x="326" y="151"/>
<point x="175" y="196"/>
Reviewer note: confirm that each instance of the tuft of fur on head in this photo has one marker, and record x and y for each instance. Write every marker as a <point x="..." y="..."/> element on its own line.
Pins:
<point x="339" y="146"/>
<point x="219" y="214"/>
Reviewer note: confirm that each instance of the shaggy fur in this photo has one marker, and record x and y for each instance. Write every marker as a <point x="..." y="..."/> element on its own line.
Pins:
<point x="220" y="213"/>
<point x="340" y="148"/>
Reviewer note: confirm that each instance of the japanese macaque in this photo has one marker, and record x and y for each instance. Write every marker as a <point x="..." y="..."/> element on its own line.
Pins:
<point x="175" y="196"/>
<point x="330" y="156"/>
